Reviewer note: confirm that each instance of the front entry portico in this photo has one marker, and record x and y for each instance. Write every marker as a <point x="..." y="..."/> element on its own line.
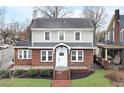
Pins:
<point x="61" y="56"/>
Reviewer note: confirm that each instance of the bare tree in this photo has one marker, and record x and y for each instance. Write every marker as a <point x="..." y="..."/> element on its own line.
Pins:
<point x="97" y="15"/>
<point x="53" y="11"/>
<point x="2" y="20"/>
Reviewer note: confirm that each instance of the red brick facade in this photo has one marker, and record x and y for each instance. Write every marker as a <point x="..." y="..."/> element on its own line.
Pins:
<point x="36" y="59"/>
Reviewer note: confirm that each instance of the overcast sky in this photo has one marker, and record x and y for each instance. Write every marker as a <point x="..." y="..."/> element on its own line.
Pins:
<point x="21" y="13"/>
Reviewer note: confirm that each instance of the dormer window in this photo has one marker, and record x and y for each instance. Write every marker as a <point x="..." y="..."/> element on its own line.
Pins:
<point x="77" y="35"/>
<point x="47" y="35"/>
<point x="61" y="35"/>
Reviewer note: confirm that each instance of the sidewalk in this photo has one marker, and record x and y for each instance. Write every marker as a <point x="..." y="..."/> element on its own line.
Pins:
<point x="61" y="83"/>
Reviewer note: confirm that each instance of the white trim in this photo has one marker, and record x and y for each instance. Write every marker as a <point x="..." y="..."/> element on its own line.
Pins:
<point x="46" y="56"/>
<point x="60" y="45"/>
<point x="49" y="35"/>
<point x="122" y="36"/>
<point x="22" y="53"/>
<point x="77" y="60"/>
<point x="54" y="47"/>
<point x="83" y="29"/>
<point x="75" y="35"/>
<point x="59" y="35"/>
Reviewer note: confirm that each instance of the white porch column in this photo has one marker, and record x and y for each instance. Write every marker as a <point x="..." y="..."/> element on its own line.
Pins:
<point x="105" y="54"/>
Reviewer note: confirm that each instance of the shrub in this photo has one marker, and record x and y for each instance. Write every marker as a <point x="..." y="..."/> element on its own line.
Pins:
<point x="4" y="73"/>
<point x="32" y="72"/>
<point x="19" y="72"/>
<point x="44" y="73"/>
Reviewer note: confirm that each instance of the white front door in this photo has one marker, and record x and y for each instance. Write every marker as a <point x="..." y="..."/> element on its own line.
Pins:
<point x="61" y="56"/>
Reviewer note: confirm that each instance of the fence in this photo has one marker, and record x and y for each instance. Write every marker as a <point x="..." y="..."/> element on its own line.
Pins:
<point x="6" y="56"/>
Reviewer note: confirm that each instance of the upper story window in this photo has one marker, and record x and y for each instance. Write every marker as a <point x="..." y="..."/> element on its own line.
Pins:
<point x="77" y="35"/>
<point x="61" y="35"/>
<point x="47" y="35"/>
<point x="24" y="54"/>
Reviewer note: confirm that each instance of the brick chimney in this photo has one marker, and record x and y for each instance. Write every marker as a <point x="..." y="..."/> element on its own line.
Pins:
<point x="117" y="27"/>
<point x="34" y="14"/>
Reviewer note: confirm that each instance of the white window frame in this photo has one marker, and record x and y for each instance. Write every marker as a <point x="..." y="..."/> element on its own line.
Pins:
<point x="113" y="33"/>
<point x="75" y="35"/>
<point x="49" y="35"/>
<point x="22" y="53"/>
<point x="59" y="35"/>
<point x="46" y="56"/>
<point x="77" y="60"/>
<point x="121" y="36"/>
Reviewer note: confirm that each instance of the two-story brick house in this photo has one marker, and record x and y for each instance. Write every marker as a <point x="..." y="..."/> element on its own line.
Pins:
<point x="113" y="50"/>
<point x="56" y="43"/>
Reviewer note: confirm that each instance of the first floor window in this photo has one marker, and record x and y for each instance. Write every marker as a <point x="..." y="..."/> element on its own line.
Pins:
<point x="24" y="54"/>
<point x="46" y="55"/>
<point x="77" y="55"/>
<point x="74" y="55"/>
<point x="20" y="54"/>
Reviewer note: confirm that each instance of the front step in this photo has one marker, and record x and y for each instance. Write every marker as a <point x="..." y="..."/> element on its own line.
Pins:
<point x="61" y="77"/>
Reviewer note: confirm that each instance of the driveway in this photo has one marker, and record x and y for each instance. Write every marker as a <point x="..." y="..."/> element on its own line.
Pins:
<point x="6" y="56"/>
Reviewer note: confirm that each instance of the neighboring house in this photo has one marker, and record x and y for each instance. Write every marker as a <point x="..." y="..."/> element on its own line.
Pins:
<point x="113" y="50"/>
<point x="56" y="43"/>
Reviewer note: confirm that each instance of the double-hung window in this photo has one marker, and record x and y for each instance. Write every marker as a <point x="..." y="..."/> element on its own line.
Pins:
<point x="24" y="54"/>
<point x="61" y="35"/>
<point x="121" y="36"/>
<point x="46" y="55"/>
<point x="77" y="55"/>
<point x="77" y="36"/>
<point x="47" y="35"/>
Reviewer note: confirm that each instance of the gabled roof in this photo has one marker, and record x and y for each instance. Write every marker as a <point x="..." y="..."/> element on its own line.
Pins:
<point x="61" y="23"/>
<point x="121" y="21"/>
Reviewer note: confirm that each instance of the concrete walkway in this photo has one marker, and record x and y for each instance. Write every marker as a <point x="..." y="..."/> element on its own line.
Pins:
<point x="61" y="83"/>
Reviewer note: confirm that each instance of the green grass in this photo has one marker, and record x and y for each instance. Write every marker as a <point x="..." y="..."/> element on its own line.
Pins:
<point x="95" y="80"/>
<point x="25" y="82"/>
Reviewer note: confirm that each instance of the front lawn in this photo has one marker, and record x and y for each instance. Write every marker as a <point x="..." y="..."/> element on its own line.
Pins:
<point x="95" y="80"/>
<point x="20" y="82"/>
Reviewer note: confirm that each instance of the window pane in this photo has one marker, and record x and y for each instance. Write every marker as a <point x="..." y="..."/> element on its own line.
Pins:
<point x="49" y="58"/>
<point x="49" y="55"/>
<point x="61" y="54"/>
<point x="80" y="58"/>
<point x="25" y="53"/>
<point x="77" y="35"/>
<point x="47" y="35"/>
<point x="80" y="53"/>
<point x="43" y="58"/>
<point x="61" y="35"/>
<point x="49" y="52"/>
<point x="29" y="53"/>
<point x="73" y="58"/>
<point x="43" y="53"/>
<point x="20" y="53"/>
<point x="73" y="52"/>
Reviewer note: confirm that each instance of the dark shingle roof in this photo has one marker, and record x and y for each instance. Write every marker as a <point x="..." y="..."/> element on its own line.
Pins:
<point x="61" y="23"/>
<point x="52" y="44"/>
<point x="122" y="21"/>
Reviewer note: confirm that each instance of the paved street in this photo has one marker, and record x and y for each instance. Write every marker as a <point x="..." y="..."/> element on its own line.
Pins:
<point x="6" y="56"/>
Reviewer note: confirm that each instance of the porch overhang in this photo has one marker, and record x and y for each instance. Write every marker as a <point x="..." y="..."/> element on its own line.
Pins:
<point x="110" y="46"/>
